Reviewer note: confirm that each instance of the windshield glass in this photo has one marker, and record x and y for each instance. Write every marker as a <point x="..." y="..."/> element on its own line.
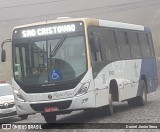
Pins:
<point x="6" y="90"/>
<point x="34" y="62"/>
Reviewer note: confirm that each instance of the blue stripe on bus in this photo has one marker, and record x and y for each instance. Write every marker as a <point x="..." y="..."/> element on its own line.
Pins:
<point x="147" y="29"/>
<point x="149" y="69"/>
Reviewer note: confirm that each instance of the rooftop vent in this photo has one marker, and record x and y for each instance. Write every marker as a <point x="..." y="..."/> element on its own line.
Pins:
<point x="63" y="18"/>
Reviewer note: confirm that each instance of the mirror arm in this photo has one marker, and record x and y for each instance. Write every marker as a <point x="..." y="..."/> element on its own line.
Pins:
<point x="5" y="41"/>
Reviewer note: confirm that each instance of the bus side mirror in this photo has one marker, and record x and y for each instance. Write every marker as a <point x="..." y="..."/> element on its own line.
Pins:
<point x="3" y="53"/>
<point x="3" y="56"/>
<point x="95" y="44"/>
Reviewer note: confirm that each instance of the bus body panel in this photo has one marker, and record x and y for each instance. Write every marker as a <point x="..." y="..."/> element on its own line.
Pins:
<point x="127" y="74"/>
<point x="149" y="69"/>
<point x="77" y="102"/>
<point x="127" y="79"/>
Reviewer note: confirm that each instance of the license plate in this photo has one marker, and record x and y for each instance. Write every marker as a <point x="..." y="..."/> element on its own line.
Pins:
<point x="51" y="109"/>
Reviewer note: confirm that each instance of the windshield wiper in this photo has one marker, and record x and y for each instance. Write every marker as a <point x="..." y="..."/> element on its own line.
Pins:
<point x="58" y="46"/>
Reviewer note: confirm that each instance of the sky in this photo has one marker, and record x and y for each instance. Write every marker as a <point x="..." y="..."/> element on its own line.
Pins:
<point x="19" y="12"/>
<point x="22" y="9"/>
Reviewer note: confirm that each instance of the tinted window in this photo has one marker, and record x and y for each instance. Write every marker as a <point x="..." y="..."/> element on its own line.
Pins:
<point x="125" y="37"/>
<point x="134" y="44"/>
<point x="150" y="44"/>
<point x="109" y="40"/>
<point x="97" y="49"/>
<point x="96" y="54"/>
<point x="145" y="47"/>
<point x="123" y="45"/>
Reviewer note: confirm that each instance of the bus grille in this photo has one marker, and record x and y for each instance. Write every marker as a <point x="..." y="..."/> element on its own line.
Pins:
<point x="45" y="89"/>
<point x="60" y="105"/>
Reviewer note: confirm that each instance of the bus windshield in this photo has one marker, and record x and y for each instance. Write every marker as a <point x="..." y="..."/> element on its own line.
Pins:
<point x="34" y="62"/>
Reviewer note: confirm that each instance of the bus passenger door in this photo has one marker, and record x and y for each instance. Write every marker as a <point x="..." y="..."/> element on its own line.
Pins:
<point x="97" y="59"/>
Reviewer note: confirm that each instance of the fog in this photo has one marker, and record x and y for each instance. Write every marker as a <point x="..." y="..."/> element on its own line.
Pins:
<point x="19" y="12"/>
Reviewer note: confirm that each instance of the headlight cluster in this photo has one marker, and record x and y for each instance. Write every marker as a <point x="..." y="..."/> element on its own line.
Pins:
<point x="83" y="89"/>
<point x="19" y="96"/>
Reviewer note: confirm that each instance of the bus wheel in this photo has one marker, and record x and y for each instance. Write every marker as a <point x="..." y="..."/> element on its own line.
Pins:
<point x="141" y="100"/>
<point x="108" y="109"/>
<point x="132" y="102"/>
<point x="110" y="106"/>
<point x="50" y="117"/>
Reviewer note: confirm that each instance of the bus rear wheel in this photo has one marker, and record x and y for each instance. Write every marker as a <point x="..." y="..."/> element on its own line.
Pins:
<point x="139" y="100"/>
<point x="50" y="117"/>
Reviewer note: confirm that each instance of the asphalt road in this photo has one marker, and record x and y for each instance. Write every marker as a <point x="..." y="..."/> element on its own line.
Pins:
<point x="150" y="113"/>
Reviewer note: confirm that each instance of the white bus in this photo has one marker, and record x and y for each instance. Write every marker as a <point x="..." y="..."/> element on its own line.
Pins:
<point x="70" y="64"/>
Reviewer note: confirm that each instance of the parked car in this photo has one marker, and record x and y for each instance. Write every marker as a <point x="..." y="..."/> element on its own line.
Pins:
<point x="7" y="104"/>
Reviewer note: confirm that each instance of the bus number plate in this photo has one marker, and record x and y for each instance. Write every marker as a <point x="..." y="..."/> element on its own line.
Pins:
<point x="51" y="109"/>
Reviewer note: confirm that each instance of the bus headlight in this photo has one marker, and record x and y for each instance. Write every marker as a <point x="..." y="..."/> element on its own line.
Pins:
<point x="19" y="96"/>
<point x="83" y="89"/>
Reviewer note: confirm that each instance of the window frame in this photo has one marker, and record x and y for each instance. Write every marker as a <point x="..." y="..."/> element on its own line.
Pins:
<point x="147" y="43"/>
<point x="121" y="37"/>
<point x="132" y="43"/>
<point x="115" y="42"/>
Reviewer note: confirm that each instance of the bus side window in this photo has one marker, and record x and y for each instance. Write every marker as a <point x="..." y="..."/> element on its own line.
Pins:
<point x="123" y="44"/>
<point x="135" y="45"/>
<point x="145" y="47"/>
<point x="110" y="44"/>
<point x="96" y="49"/>
<point x="150" y="42"/>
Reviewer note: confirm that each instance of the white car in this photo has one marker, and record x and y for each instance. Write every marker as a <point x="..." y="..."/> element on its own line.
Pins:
<point x="7" y="105"/>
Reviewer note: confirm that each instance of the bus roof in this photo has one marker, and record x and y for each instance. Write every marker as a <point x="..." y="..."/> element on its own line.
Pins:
<point x="53" y="21"/>
<point x="92" y="21"/>
<point x="113" y="24"/>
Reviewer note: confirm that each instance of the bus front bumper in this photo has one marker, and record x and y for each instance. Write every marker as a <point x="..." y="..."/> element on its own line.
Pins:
<point x="85" y="101"/>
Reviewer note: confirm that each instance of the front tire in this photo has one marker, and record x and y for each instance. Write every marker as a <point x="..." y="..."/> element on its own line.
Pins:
<point x="108" y="109"/>
<point x="50" y="117"/>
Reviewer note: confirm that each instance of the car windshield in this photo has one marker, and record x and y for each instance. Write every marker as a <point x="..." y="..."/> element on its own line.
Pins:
<point x="34" y="62"/>
<point x="6" y="90"/>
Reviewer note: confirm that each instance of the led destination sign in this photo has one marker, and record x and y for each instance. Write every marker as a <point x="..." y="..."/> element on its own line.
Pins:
<point x="48" y="31"/>
<point x="45" y="30"/>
